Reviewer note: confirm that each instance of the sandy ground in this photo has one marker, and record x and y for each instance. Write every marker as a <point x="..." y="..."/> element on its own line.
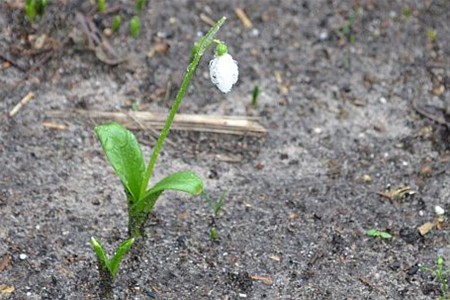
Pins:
<point x="344" y="105"/>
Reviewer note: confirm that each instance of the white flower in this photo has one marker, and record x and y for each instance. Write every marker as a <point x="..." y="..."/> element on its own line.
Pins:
<point x="439" y="210"/>
<point x="223" y="71"/>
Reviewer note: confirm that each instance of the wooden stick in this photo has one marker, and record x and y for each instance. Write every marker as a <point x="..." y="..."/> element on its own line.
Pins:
<point x="204" y="123"/>
<point x="52" y="125"/>
<point x="207" y="20"/>
<point x="21" y="104"/>
<point x="243" y="17"/>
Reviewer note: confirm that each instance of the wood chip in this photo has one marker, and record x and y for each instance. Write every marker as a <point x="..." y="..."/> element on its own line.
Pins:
<point x="425" y="228"/>
<point x="160" y="48"/>
<point x="51" y="125"/>
<point x="275" y="258"/>
<point x="40" y="41"/>
<point x="6" y="65"/>
<point x="264" y="279"/>
<point x="243" y="17"/>
<point x="229" y="158"/>
<point x="21" y="104"/>
<point x="5" y="289"/>
<point x="397" y="194"/>
<point x="207" y="20"/>
<point x="293" y="216"/>
<point x="438" y="89"/>
<point x="4" y="262"/>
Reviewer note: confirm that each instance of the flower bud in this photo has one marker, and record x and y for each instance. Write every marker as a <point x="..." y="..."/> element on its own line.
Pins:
<point x="223" y="69"/>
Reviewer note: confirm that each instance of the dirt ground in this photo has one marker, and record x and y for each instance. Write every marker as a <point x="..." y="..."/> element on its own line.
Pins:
<point x="347" y="113"/>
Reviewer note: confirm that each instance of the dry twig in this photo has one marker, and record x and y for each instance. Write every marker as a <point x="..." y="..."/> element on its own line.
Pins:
<point x="21" y="104"/>
<point x="204" y="123"/>
<point x="243" y="17"/>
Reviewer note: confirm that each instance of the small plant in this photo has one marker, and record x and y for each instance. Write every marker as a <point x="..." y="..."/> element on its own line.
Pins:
<point x="432" y="35"/>
<point x="347" y="30"/>
<point x="255" y="95"/>
<point x="101" y="5"/>
<point x="140" y="5"/>
<point x="346" y="33"/>
<point x="135" y="106"/>
<point x="108" y="268"/>
<point x="125" y="156"/>
<point x="216" y="207"/>
<point x="440" y="275"/>
<point x="35" y="8"/>
<point x="406" y="12"/>
<point x="135" y="25"/>
<point x="377" y="233"/>
<point x="116" y="22"/>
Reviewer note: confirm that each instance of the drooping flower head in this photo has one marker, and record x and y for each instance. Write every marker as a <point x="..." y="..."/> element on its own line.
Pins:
<point x="223" y="69"/>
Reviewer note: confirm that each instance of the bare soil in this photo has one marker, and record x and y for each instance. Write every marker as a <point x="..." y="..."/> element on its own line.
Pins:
<point x="345" y="114"/>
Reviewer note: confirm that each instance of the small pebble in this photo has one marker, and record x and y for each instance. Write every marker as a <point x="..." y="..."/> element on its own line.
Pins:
<point x="323" y="35"/>
<point x="255" y="32"/>
<point x="318" y="130"/>
<point x="23" y="256"/>
<point x="383" y="100"/>
<point x="367" y="178"/>
<point x="439" y="210"/>
<point x="243" y="295"/>
<point x="107" y="32"/>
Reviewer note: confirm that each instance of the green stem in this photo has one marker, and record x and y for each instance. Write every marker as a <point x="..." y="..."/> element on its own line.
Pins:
<point x="106" y="282"/>
<point x="200" y="48"/>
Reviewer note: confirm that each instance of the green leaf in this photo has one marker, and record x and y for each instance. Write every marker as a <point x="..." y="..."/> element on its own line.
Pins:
<point x="219" y="203"/>
<point x="213" y="233"/>
<point x="135" y="25"/>
<point x="117" y="21"/>
<point x="140" y="5"/>
<point x="377" y="233"/>
<point x="203" y="43"/>
<point x="30" y="10"/>
<point x="373" y="232"/>
<point x="100" y="252"/>
<point x="385" y="235"/>
<point x="115" y="261"/>
<point x="101" y="5"/>
<point x="185" y="181"/>
<point x="255" y="95"/>
<point x="124" y="154"/>
<point x="40" y="7"/>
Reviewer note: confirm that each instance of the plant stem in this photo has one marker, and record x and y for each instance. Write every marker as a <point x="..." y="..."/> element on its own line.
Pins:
<point x="106" y="283"/>
<point x="204" y="43"/>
